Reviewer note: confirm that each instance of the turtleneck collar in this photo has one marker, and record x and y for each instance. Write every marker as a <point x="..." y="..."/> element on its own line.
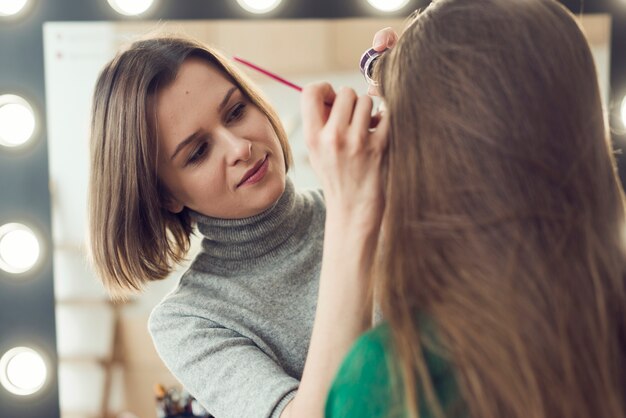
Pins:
<point x="248" y="238"/>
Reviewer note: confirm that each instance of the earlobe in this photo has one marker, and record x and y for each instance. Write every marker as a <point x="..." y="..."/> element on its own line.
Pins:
<point x="172" y="205"/>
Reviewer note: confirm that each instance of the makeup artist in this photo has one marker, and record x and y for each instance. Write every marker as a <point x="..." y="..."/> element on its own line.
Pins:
<point x="259" y="323"/>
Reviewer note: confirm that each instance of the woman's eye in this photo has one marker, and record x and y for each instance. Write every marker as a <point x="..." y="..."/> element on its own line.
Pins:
<point x="198" y="154"/>
<point x="236" y="112"/>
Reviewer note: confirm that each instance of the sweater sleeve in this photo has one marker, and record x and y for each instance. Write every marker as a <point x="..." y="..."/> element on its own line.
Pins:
<point x="226" y="372"/>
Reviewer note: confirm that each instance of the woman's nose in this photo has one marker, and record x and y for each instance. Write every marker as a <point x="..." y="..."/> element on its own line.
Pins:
<point x="237" y="148"/>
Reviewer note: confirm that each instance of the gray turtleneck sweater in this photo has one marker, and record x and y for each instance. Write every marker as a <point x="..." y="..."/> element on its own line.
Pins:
<point x="236" y="329"/>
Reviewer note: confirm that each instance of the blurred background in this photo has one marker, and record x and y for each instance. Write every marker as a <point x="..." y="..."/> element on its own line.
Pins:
<point x="65" y="349"/>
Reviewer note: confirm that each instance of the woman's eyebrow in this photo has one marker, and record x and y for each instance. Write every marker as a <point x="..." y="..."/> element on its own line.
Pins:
<point x="186" y="142"/>
<point x="226" y="98"/>
<point x="194" y="135"/>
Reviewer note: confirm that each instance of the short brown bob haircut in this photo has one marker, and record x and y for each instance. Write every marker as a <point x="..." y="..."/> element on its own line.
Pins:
<point x="133" y="238"/>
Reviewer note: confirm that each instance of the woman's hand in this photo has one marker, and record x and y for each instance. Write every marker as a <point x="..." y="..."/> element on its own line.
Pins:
<point x="345" y="153"/>
<point x="383" y="39"/>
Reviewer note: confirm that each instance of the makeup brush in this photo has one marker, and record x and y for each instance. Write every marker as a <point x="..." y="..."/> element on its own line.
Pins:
<point x="375" y="118"/>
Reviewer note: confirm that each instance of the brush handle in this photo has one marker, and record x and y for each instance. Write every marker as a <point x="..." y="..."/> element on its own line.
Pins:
<point x="268" y="73"/>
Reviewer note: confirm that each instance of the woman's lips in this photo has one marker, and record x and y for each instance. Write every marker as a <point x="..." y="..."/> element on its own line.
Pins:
<point x="255" y="174"/>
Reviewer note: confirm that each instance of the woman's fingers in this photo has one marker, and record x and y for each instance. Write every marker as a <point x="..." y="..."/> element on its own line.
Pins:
<point x="362" y="114"/>
<point x="384" y="38"/>
<point x="345" y="153"/>
<point x="350" y="120"/>
<point x="343" y="108"/>
<point x="316" y="102"/>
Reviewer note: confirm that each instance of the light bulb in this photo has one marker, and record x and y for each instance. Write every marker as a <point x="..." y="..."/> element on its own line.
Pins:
<point x="388" y="5"/>
<point x="259" y="6"/>
<point x="11" y="7"/>
<point x="19" y="248"/>
<point x="23" y="371"/>
<point x="131" y="7"/>
<point x="17" y="121"/>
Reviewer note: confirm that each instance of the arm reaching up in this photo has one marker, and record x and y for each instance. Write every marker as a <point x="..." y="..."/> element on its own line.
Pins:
<point x="348" y="158"/>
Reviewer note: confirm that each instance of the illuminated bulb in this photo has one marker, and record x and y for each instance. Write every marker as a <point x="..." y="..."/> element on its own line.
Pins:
<point x="17" y="121"/>
<point x="131" y="7"/>
<point x="388" y="5"/>
<point x="23" y="371"/>
<point x="11" y="7"/>
<point x="259" y="6"/>
<point x="623" y="111"/>
<point x="19" y="248"/>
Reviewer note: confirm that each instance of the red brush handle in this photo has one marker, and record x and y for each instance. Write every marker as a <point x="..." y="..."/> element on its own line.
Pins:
<point x="268" y="73"/>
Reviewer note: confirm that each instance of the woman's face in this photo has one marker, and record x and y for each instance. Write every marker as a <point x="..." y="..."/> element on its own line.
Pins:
<point x="218" y="153"/>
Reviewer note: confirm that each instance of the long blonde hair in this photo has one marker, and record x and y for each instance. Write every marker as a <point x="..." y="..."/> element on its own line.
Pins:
<point x="504" y="214"/>
<point x="133" y="238"/>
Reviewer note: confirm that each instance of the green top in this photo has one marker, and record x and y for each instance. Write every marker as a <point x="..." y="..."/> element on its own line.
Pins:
<point x="364" y="386"/>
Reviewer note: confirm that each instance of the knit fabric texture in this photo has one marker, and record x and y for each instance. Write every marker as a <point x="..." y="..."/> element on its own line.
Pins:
<point x="236" y="329"/>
